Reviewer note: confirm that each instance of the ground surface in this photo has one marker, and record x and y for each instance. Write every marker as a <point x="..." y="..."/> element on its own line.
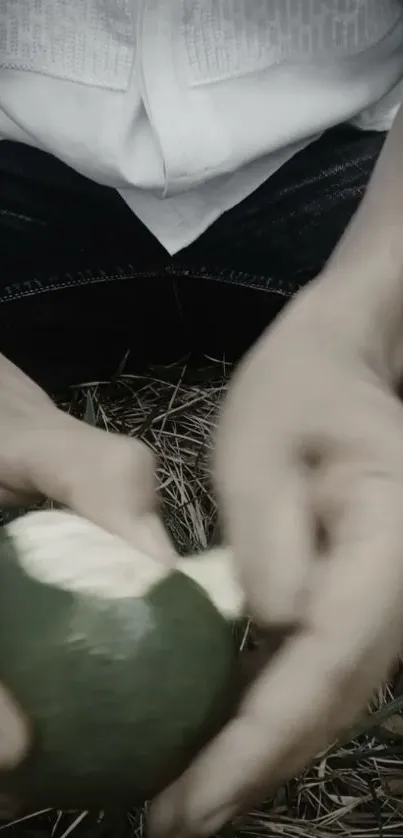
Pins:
<point x="356" y="789"/>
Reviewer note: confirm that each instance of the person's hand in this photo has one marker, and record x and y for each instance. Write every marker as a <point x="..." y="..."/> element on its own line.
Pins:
<point x="309" y="475"/>
<point x="107" y="478"/>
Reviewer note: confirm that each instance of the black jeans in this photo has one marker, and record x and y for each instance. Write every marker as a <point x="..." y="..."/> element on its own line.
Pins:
<point x="83" y="283"/>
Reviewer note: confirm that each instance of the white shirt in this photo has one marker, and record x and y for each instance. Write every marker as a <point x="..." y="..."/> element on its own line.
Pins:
<point x="187" y="106"/>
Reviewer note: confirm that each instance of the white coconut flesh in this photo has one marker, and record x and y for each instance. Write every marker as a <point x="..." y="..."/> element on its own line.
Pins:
<point x="115" y="668"/>
<point x="69" y="552"/>
<point x="214" y="571"/>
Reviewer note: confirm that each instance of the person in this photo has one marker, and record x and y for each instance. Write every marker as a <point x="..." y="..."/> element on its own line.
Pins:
<point x="309" y="451"/>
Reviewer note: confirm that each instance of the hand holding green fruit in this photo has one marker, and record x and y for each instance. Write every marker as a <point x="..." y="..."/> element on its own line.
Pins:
<point x="118" y="668"/>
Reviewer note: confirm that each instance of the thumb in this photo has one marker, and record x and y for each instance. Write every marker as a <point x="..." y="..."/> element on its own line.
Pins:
<point x="110" y="479"/>
<point x="272" y="536"/>
<point x="118" y="492"/>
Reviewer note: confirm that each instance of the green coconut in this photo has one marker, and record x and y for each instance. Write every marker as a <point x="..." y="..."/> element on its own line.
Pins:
<point x="117" y="668"/>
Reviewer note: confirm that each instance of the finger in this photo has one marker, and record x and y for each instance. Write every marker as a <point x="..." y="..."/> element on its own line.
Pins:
<point x="69" y="459"/>
<point x="120" y="495"/>
<point x="357" y="592"/>
<point x="282" y="723"/>
<point x="107" y="478"/>
<point x="15" y="738"/>
<point x="146" y="533"/>
<point x="320" y="680"/>
<point x="271" y="530"/>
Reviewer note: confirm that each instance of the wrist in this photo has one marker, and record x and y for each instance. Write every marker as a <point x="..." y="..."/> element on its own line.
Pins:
<point x="364" y="274"/>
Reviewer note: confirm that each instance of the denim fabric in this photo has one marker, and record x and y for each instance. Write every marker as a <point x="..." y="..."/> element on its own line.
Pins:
<point x="83" y="283"/>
